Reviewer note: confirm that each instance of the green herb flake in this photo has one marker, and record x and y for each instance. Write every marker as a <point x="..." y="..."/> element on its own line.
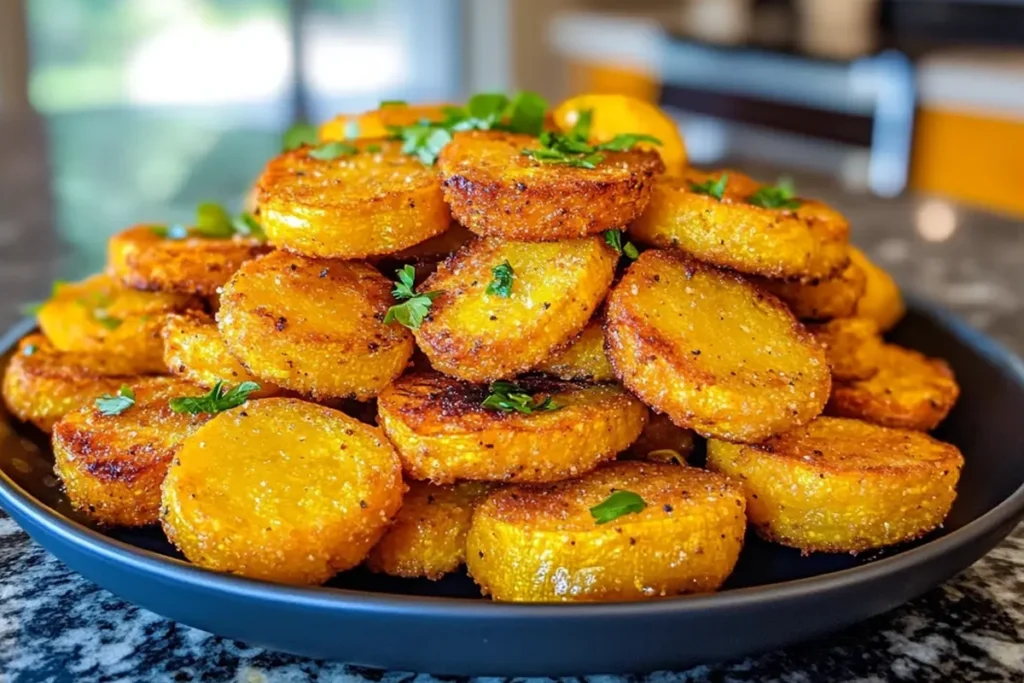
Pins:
<point x="373" y="149"/>
<point x="393" y="103"/>
<point x="613" y="238"/>
<point x="616" y="505"/>
<point x="29" y="349"/>
<point x="213" y="221"/>
<point x="108" y="321"/>
<point x="298" y="135"/>
<point x="782" y="195"/>
<point x="508" y="397"/>
<point x="574" y="150"/>
<point x="219" y="399"/>
<point x="246" y="224"/>
<point x="115" y="405"/>
<point x="712" y="187"/>
<point x="329" y="151"/>
<point x="175" y="231"/>
<point x="413" y="309"/>
<point x="501" y="285"/>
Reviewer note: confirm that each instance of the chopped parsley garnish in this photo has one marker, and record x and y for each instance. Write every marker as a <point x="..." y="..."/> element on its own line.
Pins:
<point x="393" y="103"/>
<point x="414" y="307"/>
<point x="213" y="222"/>
<point x="329" y="151"/>
<point x="509" y="397"/>
<point x="616" y="505"/>
<point x="613" y="238"/>
<point x="115" y="405"/>
<point x="501" y="285"/>
<point x="298" y="135"/>
<point x="96" y="304"/>
<point x="573" y="149"/>
<point x="782" y="195"/>
<point x="219" y="399"/>
<point x="711" y="187"/>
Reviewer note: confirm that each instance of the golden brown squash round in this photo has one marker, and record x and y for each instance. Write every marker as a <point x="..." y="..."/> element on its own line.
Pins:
<point x="662" y="441"/>
<point x="712" y="351"/>
<point x="882" y="301"/>
<point x="112" y="465"/>
<point x="373" y="202"/>
<point x="426" y="256"/>
<point x="834" y="297"/>
<point x="853" y="346"/>
<point x="806" y="243"/>
<point x="314" y="326"/>
<point x="443" y="432"/>
<point x="843" y="486"/>
<point x="99" y="314"/>
<point x="428" y="537"/>
<point x="496" y="190"/>
<point x="142" y="259"/>
<point x="543" y="544"/>
<point x="282" y="490"/>
<point x="377" y="123"/>
<point x="583" y="359"/>
<point x="478" y="336"/>
<point x="195" y="351"/>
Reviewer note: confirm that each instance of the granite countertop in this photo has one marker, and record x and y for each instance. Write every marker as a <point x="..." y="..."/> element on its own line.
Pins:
<point x="56" y="208"/>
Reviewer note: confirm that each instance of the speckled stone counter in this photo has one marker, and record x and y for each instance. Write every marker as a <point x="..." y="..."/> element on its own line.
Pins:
<point x="56" y="626"/>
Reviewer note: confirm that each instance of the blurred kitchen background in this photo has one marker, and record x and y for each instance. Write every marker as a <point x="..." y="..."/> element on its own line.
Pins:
<point x="143" y="108"/>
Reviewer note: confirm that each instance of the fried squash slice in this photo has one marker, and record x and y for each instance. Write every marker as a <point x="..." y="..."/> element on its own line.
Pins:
<point x="444" y="431"/>
<point x="497" y="191"/>
<point x="282" y="490"/>
<point x="583" y="359"/>
<point x="42" y="384"/>
<point x="143" y="259"/>
<point x="805" y="243"/>
<point x="377" y="123"/>
<point x="853" y="346"/>
<point x="834" y="297"/>
<point x="428" y="537"/>
<point x="370" y="202"/>
<point x="843" y="486"/>
<point x="712" y="351"/>
<point x="476" y="333"/>
<point x="112" y="466"/>
<point x="682" y="534"/>
<point x="882" y="301"/>
<point x="314" y="326"/>
<point x="195" y="351"/>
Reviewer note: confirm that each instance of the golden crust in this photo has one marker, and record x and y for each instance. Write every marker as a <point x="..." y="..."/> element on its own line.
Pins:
<point x="495" y="190"/>
<point x="428" y="537"/>
<point x="195" y="351"/>
<point x="314" y="326"/>
<point x="282" y="490"/>
<point x="112" y="465"/>
<point x="806" y="243"/>
<point x="141" y="259"/>
<point x="358" y="205"/>
<point x="481" y="337"/>
<point x="541" y="543"/>
<point x="882" y="301"/>
<point x="443" y="432"/>
<point x="662" y="441"/>
<point x="853" y="346"/>
<point x="583" y="359"/>
<point x="99" y="314"/>
<point x="839" y="485"/>
<point x="713" y="352"/>
<point x="826" y="299"/>
<point x="376" y="123"/>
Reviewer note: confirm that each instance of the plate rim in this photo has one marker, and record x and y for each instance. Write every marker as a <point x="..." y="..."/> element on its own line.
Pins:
<point x="1011" y="509"/>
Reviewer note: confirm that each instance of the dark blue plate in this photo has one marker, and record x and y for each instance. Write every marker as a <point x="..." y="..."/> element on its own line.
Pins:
<point x="775" y="596"/>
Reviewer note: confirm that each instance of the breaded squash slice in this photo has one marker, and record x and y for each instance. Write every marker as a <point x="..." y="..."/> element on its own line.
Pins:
<point x="99" y="314"/>
<point x="843" y="486"/>
<point x="583" y="359"/>
<point x="42" y="385"/>
<point x="908" y="390"/>
<point x="428" y="537"/>
<point x="444" y="431"/>
<point x="661" y="441"/>
<point x="626" y="531"/>
<point x="882" y="301"/>
<point x="834" y="297"/>
<point x="112" y="465"/>
<point x="497" y="191"/>
<point x="195" y="351"/>
<point x="282" y="490"/>
<point x="313" y="326"/>
<point x="853" y="346"/>
<point x="143" y="259"/>
<point x="712" y="351"/>
<point x="805" y="243"/>
<point x="377" y="123"/>
<point x="480" y="335"/>
<point x="371" y="202"/>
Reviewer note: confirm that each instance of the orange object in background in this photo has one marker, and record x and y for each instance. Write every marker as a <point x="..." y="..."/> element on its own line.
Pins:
<point x="589" y="77"/>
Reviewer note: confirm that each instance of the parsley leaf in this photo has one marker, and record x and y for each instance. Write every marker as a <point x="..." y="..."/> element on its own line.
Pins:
<point x="175" y="231"/>
<point x="616" y="505"/>
<point x="711" y="187"/>
<point x="219" y="399"/>
<point x="627" y="141"/>
<point x="613" y="238"/>
<point x="213" y="222"/>
<point x="404" y="287"/>
<point x="108" y="321"/>
<point x="526" y="113"/>
<point x="393" y="103"/>
<point x="581" y="129"/>
<point x="115" y="405"/>
<point x="501" y="285"/>
<point x="329" y="151"/>
<point x="572" y="149"/>
<point x="414" y="307"/>
<point x="782" y="195"/>
<point x="246" y="224"/>
<point x="298" y="135"/>
<point x="509" y="397"/>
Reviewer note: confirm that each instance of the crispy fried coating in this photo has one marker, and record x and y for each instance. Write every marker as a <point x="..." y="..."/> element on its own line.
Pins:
<point x="99" y="314"/>
<point x="282" y="490"/>
<point x="42" y="385"/>
<point x="834" y="297"/>
<point x="583" y="359"/>
<point x="542" y="544"/>
<point x="376" y="123"/>
<point x="373" y="202"/>
<point x="806" y="243"/>
<point x="112" y="465"/>
<point x="908" y="390"/>
<point x="495" y="190"/>
<point x="853" y="346"/>
<point x="477" y="336"/>
<point x="428" y="537"/>
<point x="712" y="351"/>
<point x="843" y="486"/>
<point x="443" y="432"/>
<point x="195" y="351"/>
<point x="314" y="326"/>
<point x="882" y="301"/>
<point x="141" y="259"/>
<point x="661" y="441"/>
